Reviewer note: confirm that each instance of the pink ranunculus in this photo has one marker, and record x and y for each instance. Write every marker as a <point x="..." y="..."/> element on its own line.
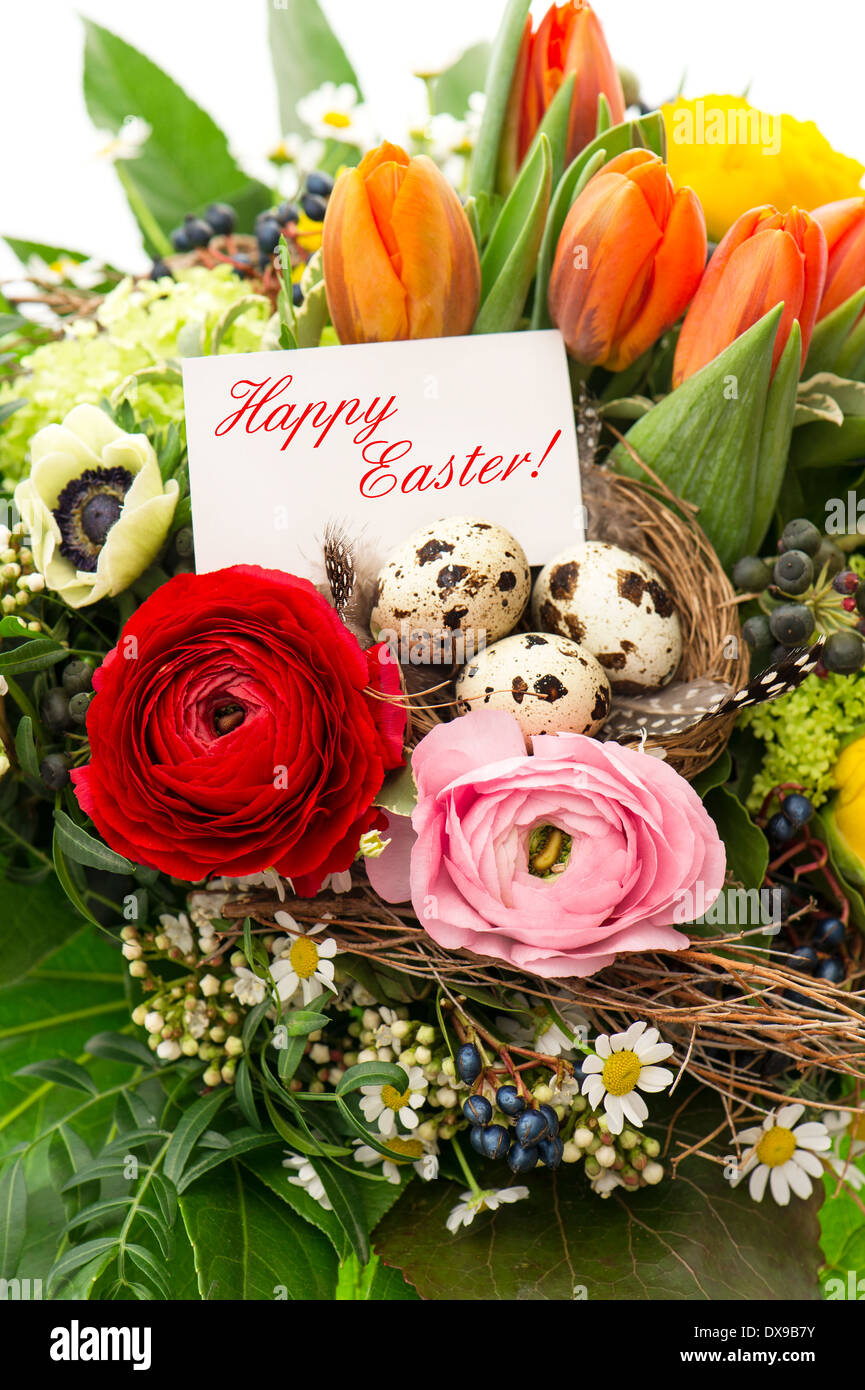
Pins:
<point x="642" y="846"/>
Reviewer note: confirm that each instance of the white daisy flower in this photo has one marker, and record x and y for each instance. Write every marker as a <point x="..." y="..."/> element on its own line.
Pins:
<point x="302" y="963"/>
<point x="422" y="1157"/>
<point x="84" y="275"/>
<point x="306" y="1177"/>
<point x="334" y="112"/>
<point x="248" y="988"/>
<point x="386" y="1104"/>
<point x="178" y="931"/>
<point x="783" y="1156"/>
<point x="128" y="142"/>
<point x="464" y="1213"/>
<point x="624" y="1062"/>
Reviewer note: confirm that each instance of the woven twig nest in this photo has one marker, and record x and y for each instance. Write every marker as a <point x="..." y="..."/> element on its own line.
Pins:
<point x="647" y="519"/>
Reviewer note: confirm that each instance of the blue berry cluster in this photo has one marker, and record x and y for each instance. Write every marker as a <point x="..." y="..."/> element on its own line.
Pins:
<point x="534" y="1136"/>
<point x="821" y="957"/>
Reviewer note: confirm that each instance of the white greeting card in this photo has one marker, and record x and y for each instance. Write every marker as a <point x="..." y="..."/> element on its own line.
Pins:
<point x="381" y="438"/>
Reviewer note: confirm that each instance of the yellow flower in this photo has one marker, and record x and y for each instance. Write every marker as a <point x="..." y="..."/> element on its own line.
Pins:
<point x="849" y="808"/>
<point x="736" y="157"/>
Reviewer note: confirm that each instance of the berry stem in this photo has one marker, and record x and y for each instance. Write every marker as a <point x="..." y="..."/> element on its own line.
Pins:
<point x="467" y="1172"/>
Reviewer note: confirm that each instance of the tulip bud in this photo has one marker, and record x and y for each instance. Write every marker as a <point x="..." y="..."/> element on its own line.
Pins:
<point x="629" y="258"/>
<point x="568" y="41"/>
<point x="399" y="257"/>
<point x="844" y="226"/>
<point x="766" y="258"/>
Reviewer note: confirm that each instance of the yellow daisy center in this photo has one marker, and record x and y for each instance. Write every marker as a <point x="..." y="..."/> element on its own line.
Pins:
<point x="411" y="1149"/>
<point x="392" y="1098"/>
<point x="776" y="1146"/>
<point x="304" y="957"/>
<point x="621" y="1073"/>
<point x="337" y="119"/>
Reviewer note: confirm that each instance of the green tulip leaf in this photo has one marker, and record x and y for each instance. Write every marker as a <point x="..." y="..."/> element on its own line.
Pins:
<point x="499" y="80"/>
<point x="775" y="439"/>
<point x="508" y="264"/>
<point x="704" y="439"/>
<point x="831" y="334"/>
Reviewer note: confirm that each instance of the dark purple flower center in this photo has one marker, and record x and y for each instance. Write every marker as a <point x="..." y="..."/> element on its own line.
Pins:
<point x="86" y="510"/>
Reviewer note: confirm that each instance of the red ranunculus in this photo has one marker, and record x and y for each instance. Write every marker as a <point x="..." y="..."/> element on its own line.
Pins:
<point x="233" y="730"/>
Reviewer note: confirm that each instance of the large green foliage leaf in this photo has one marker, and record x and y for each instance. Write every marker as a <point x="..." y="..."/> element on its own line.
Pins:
<point x="248" y="1244"/>
<point x="305" y="53"/>
<point x="186" y="163"/>
<point x="689" y="1239"/>
<point x="36" y="919"/>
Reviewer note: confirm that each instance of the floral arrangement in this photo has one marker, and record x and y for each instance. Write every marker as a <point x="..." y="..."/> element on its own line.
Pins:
<point x="318" y="924"/>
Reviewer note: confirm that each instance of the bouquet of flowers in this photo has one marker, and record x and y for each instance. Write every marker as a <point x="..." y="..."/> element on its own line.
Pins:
<point x="453" y="926"/>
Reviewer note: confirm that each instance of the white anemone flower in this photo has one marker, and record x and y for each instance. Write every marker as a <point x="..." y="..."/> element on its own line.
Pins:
<point x="623" y="1065"/>
<point x="386" y="1105"/>
<point x="306" y="1177"/>
<point x="781" y="1155"/>
<point x="95" y="506"/>
<point x="465" y="1211"/>
<point x="303" y="963"/>
<point x="334" y="112"/>
<point x="422" y="1157"/>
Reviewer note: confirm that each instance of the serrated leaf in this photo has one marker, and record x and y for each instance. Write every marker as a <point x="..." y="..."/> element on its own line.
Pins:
<point x="185" y="164"/>
<point x="305" y="53"/>
<point x="694" y="1238"/>
<point x="250" y="1245"/>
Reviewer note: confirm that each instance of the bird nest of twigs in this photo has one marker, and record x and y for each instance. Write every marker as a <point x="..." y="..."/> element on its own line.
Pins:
<point x="743" y="1021"/>
<point x="647" y="519"/>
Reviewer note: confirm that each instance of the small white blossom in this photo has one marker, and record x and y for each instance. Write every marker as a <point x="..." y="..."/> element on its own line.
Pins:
<point x="178" y="931"/>
<point x="303" y="963"/>
<point x="624" y="1062"/>
<point x="306" y="1177"/>
<point x="464" y="1213"/>
<point x="248" y="988"/>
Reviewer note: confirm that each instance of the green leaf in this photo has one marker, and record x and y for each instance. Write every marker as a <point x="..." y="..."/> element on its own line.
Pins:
<point x="775" y="439"/>
<point x="704" y="439"/>
<point x="830" y="335"/>
<point x="191" y="1125"/>
<point x="243" y="1094"/>
<point x="450" y="89"/>
<point x="83" y="848"/>
<point x="67" y="881"/>
<point x="269" y="1168"/>
<point x="312" y="317"/>
<point x="690" y="1239"/>
<point x="715" y="775"/>
<point x="233" y="312"/>
<point x="305" y="53"/>
<point x="36" y="919"/>
<point x="37" y="655"/>
<point x="372" y="1074"/>
<point x="25" y="747"/>
<point x="250" y="1245"/>
<point x="302" y="1022"/>
<point x="186" y="163"/>
<point x="62" y="1072"/>
<point x="746" y="845"/>
<point x="554" y="125"/>
<point x="509" y="261"/>
<point x="119" y="1048"/>
<point x="341" y="1190"/>
<point x="398" y="793"/>
<point x="241" y="1141"/>
<point x="499" y="79"/>
<point x="13" y="1217"/>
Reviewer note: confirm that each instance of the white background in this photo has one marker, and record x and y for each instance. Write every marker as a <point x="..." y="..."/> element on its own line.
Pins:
<point x="794" y="55"/>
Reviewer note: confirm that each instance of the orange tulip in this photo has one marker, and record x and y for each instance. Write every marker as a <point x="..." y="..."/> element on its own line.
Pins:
<point x="766" y="258"/>
<point x="569" y="39"/>
<point x="629" y="258"/>
<point x="399" y="257"/>
<point x="844" y="225"/>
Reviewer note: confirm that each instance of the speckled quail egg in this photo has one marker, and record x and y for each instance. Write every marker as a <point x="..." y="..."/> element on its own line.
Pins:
<point x="458" y="575"/>
<point x="615" y="605"/>
<point x="548" y="683"/>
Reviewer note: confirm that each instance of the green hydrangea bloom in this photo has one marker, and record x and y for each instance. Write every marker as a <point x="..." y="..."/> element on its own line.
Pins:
<point x="137" y="325"/>
<point x="803" y="733"/>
